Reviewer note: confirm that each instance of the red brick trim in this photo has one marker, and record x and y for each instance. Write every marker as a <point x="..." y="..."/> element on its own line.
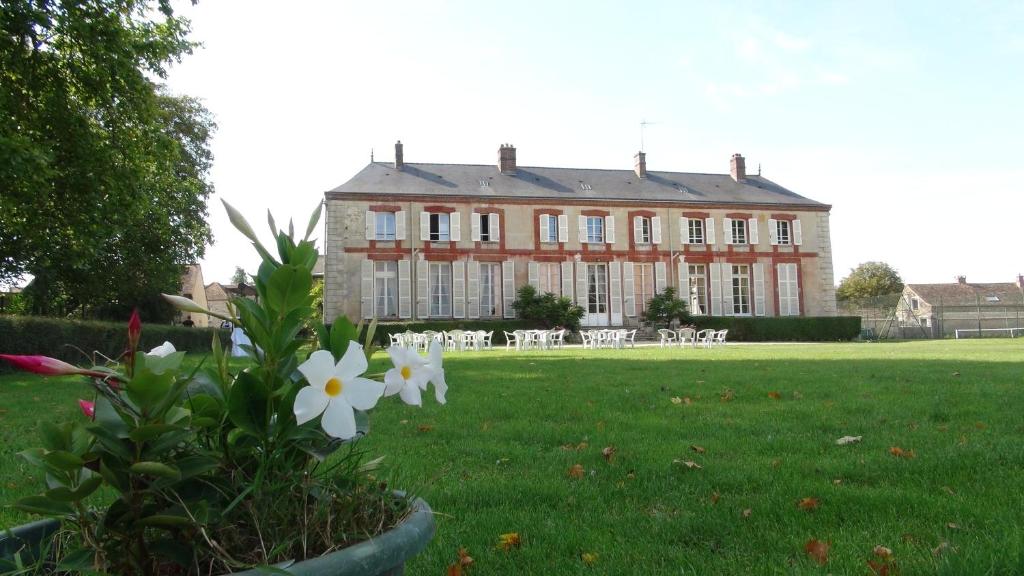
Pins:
<point x="440" y="256"/>
<point x="387" y="256"/>
<point x="698" y="258"/>
<point x="740" y="259"/>
<point x="739" y="215"/>
<point x="439" y="209"/>
<point x="783" y="216"/>
<point x="689" y="214"/>
<point x="490" y="257"/>
<point x="548" y="258"/>
<point x="384" y="208"/>
<point x="594" y="212"/>
<point x="569" y="254"/>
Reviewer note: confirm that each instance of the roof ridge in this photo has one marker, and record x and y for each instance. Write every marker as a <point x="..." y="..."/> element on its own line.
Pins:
<point x="388" y="164"/>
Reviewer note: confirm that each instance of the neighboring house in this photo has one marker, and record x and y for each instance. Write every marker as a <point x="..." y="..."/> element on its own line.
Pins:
<point x="218" y="295"/>
<point x="443" y="241"/>
<point x="942" y="309"/>
<point x="192" y="287"/>
<point x="9" y="299"/>
<point x="318" y="269"/>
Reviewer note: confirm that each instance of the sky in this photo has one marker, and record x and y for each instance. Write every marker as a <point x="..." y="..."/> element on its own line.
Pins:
<point x="905" y="116"/>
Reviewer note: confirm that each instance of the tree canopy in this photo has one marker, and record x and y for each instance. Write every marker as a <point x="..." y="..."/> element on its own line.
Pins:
<point x="103" y="174"/>
<point x="240" y="276"/>
<point x="870" y="280"/>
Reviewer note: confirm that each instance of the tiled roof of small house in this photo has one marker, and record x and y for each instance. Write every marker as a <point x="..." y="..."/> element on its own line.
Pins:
<point x="569" y="184"/>
<point x="969" y="294"/>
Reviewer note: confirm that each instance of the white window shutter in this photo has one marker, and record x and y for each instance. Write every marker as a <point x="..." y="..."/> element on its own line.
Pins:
<point x="752" y="231"/>
<point x="371" y="225"/>
<point x="759" y="302"/>
<point x="773" y="232"/>
<point x="581" y="286"/>
<point x="615" y="275"/>
<point x="794" y="290"/>
<point x="583" y="229"/>
<point x="400" y="225"/>
<point x="563" y="228"/>
<point x="628" y="289"/>
<point x="542" y="224"/>
<point x="716" y="289"/>
<point x="727" y="230"/>
<point x="494" y="225"/>
<point x="473" y="290"/>
<point x="638" y="229"/>
<point x="684" y="230"/>
<point x="424" y="229"/>
<point x="455" y="226"/>
<point x="567" y="280"/>
<point x="366" y="289"/>
<point x="727" y="296"/>
<point x="458" y="289"/>
<point x="508" y="287"/>
<point x="798" y="237"/>
<point x="656" y="229"/>
<point x="660" y="279"/>
<point x="474" y="227"/>
<point x="683" y="273"/>
<point x="709" y="230"/>
<point x="533" y="274"/>
<point x="609" y="229"/>
<point x="404" y="289"/>
<point x="422" y="308"/>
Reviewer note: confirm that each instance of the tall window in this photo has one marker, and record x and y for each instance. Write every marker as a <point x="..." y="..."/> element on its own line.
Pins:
<point x="385" y="283"/>
<point x="439" y="231"/>
<point x="549" y="278"/>
<point x="643" y="282"/>
<point x="597" y="289"/>
<point x="696" y="230"/>
<point x="489" y="283"/>
<point x="385" y="225"/>
<point x="789" y="290"/>
<point x="486" y="234"/>
<point x="782" y="232"/>
<point x="440" y="277"/>
<point x="595" y="230"/>
<point x="739" y="231"/>
<point x="740" y="289"/>
<point x="551" y="230"/>
<point x="642" y="230"/>
<point x="697" y="301"/>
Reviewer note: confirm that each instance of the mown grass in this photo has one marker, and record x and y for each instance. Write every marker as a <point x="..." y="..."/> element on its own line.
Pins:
<point x="496" y="458"/>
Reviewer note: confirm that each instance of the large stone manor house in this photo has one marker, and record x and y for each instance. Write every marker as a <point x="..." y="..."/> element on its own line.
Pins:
<point x="420" y="242"/>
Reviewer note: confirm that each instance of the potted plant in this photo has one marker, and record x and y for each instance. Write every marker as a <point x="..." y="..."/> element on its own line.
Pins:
<point x="213" y="469"/>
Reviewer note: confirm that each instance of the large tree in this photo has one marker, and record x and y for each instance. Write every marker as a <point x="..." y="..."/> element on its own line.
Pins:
<point x="103" y="175"/>
<point x="870" y="280"/>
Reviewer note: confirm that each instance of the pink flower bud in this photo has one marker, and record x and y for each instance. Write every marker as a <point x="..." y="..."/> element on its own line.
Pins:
<point x="134" y="330"/>
<point x="88" y="408"/>
<point x="48" y="366"/>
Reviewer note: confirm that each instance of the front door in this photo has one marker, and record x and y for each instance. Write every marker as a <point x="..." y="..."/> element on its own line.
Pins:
<point x="597" y="295"/>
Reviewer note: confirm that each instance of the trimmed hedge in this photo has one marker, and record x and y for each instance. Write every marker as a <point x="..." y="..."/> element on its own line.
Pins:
<point x="784" y="328"/>
<point x="384" y="331"/>
<point x="72" y="340"/>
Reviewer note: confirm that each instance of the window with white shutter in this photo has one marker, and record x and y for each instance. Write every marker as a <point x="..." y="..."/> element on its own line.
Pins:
<point x="508" y="274"/>
<point x="400" y="225"/>
<point x="789" y="289"/>
<point x="615" y="279"/>
<point x="660" y="277"/>
<point x="628" y="290"/>
<point x="371" y="225"/>
<point x="798" y="237"/>
<point x="473" y="289"/>
<point x="366" y="289"/>
<point x="582" y="221"/>
<point x="727" y="230"/>
<point x="422" y="301"/>
<point x="404" y="289"/>
<point x="456" y="226"/>
<point x="759" y="301"/>
<point x="567" y="279"/>
<point x="684" y="230"/>
<point x="563" y="228"/>
<point x="656" y="229"/>
<point x="474" y="227"/>
<point x="493" y="227"/>
<point x="609" y="232"/>
<point x="709" y="230"/>
<point x="458" y="289"/>
<point x="716" y="289"/>
<point x="752" y="231"/>
<point x="533" y="275"/>
<point x="773" y="232"/>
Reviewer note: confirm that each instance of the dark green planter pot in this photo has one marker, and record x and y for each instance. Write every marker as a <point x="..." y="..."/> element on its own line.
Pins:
<point x="384" y="555"/>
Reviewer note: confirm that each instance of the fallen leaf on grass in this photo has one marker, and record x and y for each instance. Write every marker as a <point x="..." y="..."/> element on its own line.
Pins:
<point x="677" y="400"/>
<point x="746" y="513"/>
<point x="425" y="427"/>
<point x="952" y="526"/>
<point x="727" y="395"/>
<point x="882" y="552"/>
<point x="881" y="568"/>
<point x="688" y="463"/>
<point x="938" y="550"/>
<point x="956" y="374"/>
<point x="588" y="558"/>
<point x="948" y="490"/>
<point x="817" y="550"/>
<point x="775" y="395"/>
<point x="509" y="541"/>
<point x="714" y="498"/>
<point x="797" y="395"/>
<point x="403" y="421"/>
<point x="687" y="401"/>
<point x="901" y="453"/>
<point x="461" y="566"/>
<point x="808" y="503"/>
<point x="776" y="463"/>
<point x="576" y="471"/>
<point x="848" y="440"/>
<point x="608" y="452"/>
<point x="697" y="449"/>
<point x="630" y="475"/>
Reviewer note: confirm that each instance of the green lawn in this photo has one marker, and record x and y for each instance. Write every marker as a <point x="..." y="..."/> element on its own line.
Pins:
<point x="496" y="458"/>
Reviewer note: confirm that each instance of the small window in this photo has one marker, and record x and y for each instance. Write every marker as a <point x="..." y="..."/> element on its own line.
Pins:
<point x="552" y="228"/>
<point x="485" y="183"/>
<point x="643" y="230"/>
<point x="696" y="230"/>
<point x="914" y="303"/>
<point x="439" y="231"/>
<point x="595" y="230"/>
<point x="992" y="298"/>
<point x="485" y="227"/>
<point x="741" y="289"/>
<point x="782" y="232"/>
<point x="585" y="186"/>
<point x="385" y="226"/>
<point x="739" y="231"/>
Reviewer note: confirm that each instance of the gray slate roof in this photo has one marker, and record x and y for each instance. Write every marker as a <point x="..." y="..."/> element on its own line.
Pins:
<point x="568" y="184"/>
<point x="969" y="294"/>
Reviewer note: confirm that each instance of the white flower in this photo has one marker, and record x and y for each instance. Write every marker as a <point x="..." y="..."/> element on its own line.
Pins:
<point x="163" y="350"/>
<point x="437" y="371"/>
<point x="334" y="390"/>
<point x="408" y="377"/>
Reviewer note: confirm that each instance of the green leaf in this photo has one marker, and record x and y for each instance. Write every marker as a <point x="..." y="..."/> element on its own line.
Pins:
<point x="147" y="389"/>
<point x="289" y="288"/>
<point x="313" y="220"/>
<point x="55" y="437"/>
<point x="108" y="418"/>
<point x="197" y="465"/>
<point x="342" y="332"/>
<point x="150" y="431"/>
<point x="116" y="478"/>
<point x="158" y="469"/>
<point x="77" y="562"/>
<point x="44" y="506"/>
<point x="165" y="521"/>
<point x="161" y="364"/>
<point x="304" y="255"/>
<point x="63" y="460"/>
<point x="111" y="442"/>
<point x="247" y="404"/>
<point x="85" y="488"/>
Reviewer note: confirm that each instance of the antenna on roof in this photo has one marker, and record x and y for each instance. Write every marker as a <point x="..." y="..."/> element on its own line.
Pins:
<point x="371" y="155"/>
<point x="758" y="168"/>
<point x="643" y="124"/>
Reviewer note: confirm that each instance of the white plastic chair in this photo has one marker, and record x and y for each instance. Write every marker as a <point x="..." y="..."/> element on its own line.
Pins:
<point x="629" y="337"/>
<point x="396" y="339"/>
<point x="705" y="337"/>
<point x="719" y="337"/>
<point x="483" y="339"/>
<point x="511" y="340"/>
<point x="557" y="339"/>
<point x="667" y="336"/>
<point x="687" y="335"/>
<point x="588" y="338"/>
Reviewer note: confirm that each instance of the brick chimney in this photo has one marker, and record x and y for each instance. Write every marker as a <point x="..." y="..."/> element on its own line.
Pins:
<point x="961" y="279"/>
<point x="507" y="159"/>
<point x="640" y="164"/>
<point x="738" y="167"/>
<point x="399" y="156"/>
<point x="1020" y="281"/>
